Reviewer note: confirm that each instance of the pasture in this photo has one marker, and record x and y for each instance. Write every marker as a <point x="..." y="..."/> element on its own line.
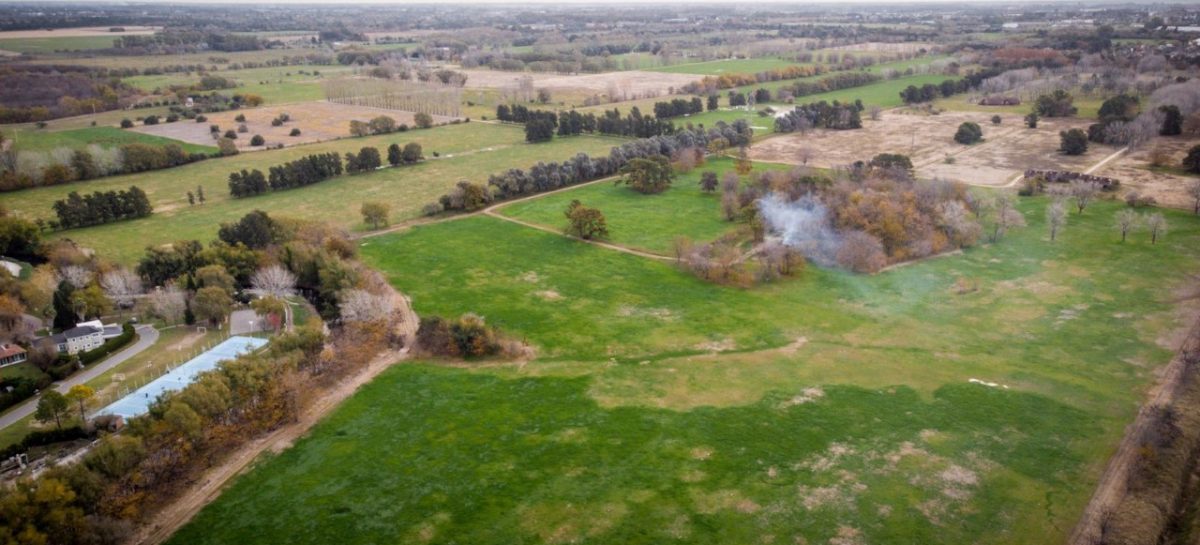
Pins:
<point x="632" y="217"/>
<point x="725" y="66"/>
<point x="664" y="409"/>
<point x="468" y="151"/>
<point x="32" y="139"/>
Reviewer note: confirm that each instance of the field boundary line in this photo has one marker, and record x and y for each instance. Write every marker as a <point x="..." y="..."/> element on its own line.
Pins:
<point x="1111" y="487"/>
<point x="609" y="245"/>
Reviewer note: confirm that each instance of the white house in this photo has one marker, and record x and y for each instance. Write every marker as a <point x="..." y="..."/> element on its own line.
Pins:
<point x="11" y="354"/>
<point x="85" y="336"/>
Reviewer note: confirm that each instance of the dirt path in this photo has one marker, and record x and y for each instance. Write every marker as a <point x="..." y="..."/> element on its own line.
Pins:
<point x="1111" y="488"/>
<point x="210" y="485"/>
<point x="609" y="245"/>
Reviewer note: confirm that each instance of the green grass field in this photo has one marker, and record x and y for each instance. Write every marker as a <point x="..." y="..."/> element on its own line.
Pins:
<point x="633" y="218"/>
<point x="485" y="148"/>
<point x="1089" y="107"/>
<point x="725" y="66"/>
<point x="841" y="404"/>
<point x="33" y="139"/>
<point x="48" y="46"/>
<point x="276" y="85"/>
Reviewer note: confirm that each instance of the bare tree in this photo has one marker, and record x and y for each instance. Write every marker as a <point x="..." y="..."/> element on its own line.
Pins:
<point x="122" y="286"/>
<point x="168" y="303"/>
<point x="357" y="305"/>
<point x="1056" y="218"/>
<point x="1157" y="225"/>
<point x="1004" y="216"/>
<point x="861" y="252"/>
<point x="1127" y="220"/>
<point x="874" y="112"/>
<point x="1082" y="192"/>
<point x="76" y="275"/>
<point x="273" y="281"/>
<point x="955" y="219"/>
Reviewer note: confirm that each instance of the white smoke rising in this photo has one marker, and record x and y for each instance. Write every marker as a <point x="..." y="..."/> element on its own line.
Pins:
<point x="802" y="224"/>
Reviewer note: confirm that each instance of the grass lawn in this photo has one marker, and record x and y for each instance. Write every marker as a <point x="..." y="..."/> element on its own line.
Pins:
<point x="725" y="66"/>
<point x="33" y="139"/>
<point x="634" y="219"/>
<point x="277" y="85"/>
<point x="485" y="148"/>
<point x="46" y="46"/>
<point x="664" y="409"/>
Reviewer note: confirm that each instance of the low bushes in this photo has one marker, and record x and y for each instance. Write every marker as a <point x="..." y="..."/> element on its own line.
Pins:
<point x="39" y="438"/>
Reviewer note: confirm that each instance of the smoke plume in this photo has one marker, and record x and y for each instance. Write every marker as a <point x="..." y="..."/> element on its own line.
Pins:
<point x="802" y="224"/>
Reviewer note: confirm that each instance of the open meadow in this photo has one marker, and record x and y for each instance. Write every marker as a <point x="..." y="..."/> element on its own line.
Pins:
<point x="467" y="151"/>
<point x="892" y="407"/>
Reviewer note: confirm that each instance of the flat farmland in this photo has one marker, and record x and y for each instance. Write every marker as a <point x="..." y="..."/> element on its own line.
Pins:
<point x="318" y="121"/>
<point x="32" y="139"/>
<point x="664" y="409"/>
<point x="469" y="151"/>
<point x="1008" y="149"/>
<point x="725" y="66"/>
<point x="631" y="82"/>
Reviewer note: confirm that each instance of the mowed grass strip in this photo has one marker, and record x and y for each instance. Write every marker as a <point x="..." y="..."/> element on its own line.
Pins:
<point x="425" y="454"/>
<point x="470" y="151"/>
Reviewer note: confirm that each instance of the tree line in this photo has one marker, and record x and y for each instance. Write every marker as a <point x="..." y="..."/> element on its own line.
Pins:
<point x="102" y="207"/>
<point x="823" y="115"/>
<point x="571" y="123"/>
<point x="306" y="170"/>
<point x="541" y="177"/>
<point x="929" y="92"/>
<point x="319" y="167"/>
<point x="62" y="165"/>
<point x="711" y="84"/>
<point x="678" y="107"/>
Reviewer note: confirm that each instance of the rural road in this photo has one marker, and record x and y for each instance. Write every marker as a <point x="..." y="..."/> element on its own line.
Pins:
<point x="147" y="336"/>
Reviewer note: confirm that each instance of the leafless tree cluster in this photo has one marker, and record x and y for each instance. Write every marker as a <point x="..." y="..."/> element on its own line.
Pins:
<point x="122" y="286"/>
<point x="274" y="281"/>
<point x="360" y="305"/>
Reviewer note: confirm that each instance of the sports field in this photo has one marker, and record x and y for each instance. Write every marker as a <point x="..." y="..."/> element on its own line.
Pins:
<point x="901" y="406"/>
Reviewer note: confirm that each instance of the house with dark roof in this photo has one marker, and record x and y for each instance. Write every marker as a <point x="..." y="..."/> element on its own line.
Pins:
<point x="11" y="354"/>
<point x="80" y="338"/>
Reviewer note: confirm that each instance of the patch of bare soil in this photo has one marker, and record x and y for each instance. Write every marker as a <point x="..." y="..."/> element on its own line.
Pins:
<point x="631" y="82"/>
<point x="1007" y="151"/>
<point x="317" y="121"/>
<point x="1133" y="170"/>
